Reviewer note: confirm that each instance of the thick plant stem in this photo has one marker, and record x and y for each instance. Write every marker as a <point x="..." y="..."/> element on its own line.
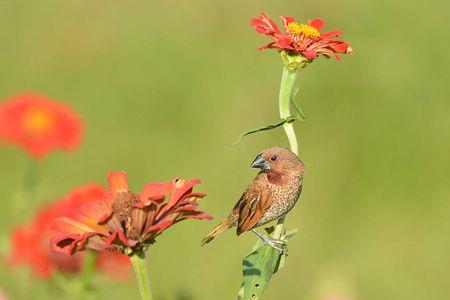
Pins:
<point x="287" y="90"/>
<point x="140" y="269"/>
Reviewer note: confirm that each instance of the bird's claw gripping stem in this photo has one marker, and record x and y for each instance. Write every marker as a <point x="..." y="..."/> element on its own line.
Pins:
<point x="272" y="242"/>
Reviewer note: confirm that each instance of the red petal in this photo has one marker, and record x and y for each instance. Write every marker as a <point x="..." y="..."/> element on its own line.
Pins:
<point x="317" y="23"/>
<point x="108" y="197"/>
<point x="180" y="187"/>
<point x="286" y="20"/>
<point x="84" y="239"/>
<point x="110" y="239"/>
<point x="340" y="47"/>
<point x="93" y="212"/>
<point x="154" y="191"/>
<point x="201" y="216"/>
<point x="194" y="195"/>
<point x="151" y="214"/>
<point x="119" y="236"/>
<point x="160" y="226"/>
<point x="125" y="240"/>
<point x="265" y="25"/>
<point x="118" y="181"/>
<point x="186" y="208"/>
<point x="95" y="242"/>
<point x="113" y="223"/>
<point x="331" y="34"/>
<point x="70" y="226"/>
<point x="311" y="54"/>
<point x="105" y="218"/>
<point x="268" y="46"/>
<point x="139" y="217"/>
<point x="188" y="202"/>
<point x="259" y="25"/>
<point x="64" y="243"/>
<point x="285" y="42"/>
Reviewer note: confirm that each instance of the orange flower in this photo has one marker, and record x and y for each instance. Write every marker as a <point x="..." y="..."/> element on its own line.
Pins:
<point x="304" y="39"/>
<point x="31" y="241"/>
<point x="127" y="222"/>
<point x="39" y="125"/>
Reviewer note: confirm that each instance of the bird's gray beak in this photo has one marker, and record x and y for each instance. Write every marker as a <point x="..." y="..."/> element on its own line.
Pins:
<point x="260" y="163"/>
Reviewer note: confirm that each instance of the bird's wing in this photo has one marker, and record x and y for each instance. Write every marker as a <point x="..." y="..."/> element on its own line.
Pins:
<point x="253" y="204"/>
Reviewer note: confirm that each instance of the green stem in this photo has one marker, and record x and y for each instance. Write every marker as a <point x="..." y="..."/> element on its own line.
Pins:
<point x="259" y="266"/>
<point x="140" y="269"/>
<point x="78" y="289"/>
<point x="86" y="273"/>
<point x="29" y="184"/>
<point x="287" y="89"/>
<point x="31" y="175"/>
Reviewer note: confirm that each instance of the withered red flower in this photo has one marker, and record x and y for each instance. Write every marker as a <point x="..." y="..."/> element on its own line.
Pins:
<point x="31" y="241"/>
<point x="125" y="221"/>
<point x="304" y="39"/>
<point x="39" y="125"/>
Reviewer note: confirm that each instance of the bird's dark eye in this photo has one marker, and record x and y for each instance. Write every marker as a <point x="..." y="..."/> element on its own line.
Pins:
<point x="273" y="158"/>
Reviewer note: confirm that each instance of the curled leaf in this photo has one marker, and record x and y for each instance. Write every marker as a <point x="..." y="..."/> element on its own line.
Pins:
<point x="299" y="112"/>
<point x="267" y="127"/>
<point x="259" y="266"/>
<point x="299" y="115"/>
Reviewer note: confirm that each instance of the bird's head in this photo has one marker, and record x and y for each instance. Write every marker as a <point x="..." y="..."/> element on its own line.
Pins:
<point x="278" y="160"/>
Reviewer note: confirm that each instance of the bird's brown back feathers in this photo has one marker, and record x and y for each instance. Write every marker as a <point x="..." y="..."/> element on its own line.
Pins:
<point x="252" y="205"/>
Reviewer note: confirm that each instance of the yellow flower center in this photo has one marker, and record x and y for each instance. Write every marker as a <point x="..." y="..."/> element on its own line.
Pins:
<point x="304" y="30"/>
<point x="37" y="121"/>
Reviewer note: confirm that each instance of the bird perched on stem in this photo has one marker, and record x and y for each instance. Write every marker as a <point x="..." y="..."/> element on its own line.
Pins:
<point x="270" y="196"/>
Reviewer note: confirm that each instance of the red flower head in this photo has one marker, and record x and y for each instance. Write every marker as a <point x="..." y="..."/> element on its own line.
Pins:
<point x="304" y="39"/>
<point x="39" y="124"/>
<point x="3" y="296"/>
<point x="127" y="222"/>
<point x="31" y="241"/>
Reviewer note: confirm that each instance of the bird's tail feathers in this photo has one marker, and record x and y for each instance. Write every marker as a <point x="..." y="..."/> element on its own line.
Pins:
<point x="216" y="231"/>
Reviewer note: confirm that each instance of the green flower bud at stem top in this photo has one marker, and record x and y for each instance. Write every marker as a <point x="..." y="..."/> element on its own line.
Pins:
<point x="294" y="62"/>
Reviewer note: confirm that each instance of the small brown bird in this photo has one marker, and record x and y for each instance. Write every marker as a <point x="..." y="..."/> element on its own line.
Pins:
<point x="271" y="195"/>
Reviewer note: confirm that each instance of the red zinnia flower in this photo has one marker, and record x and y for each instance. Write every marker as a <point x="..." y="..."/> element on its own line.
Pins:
<point x="127" y="222"/>
<point x="39" y="124"/>
<point x="3" y="296"/>
<point x="31" y="241"/>
<point x="304" y="39"/>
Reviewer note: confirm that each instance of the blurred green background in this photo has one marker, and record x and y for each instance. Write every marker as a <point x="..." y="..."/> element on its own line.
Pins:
<point x="164" y="87"/>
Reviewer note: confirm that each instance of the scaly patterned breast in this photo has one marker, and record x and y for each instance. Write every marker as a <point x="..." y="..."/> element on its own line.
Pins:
<point x="284" y="199"/>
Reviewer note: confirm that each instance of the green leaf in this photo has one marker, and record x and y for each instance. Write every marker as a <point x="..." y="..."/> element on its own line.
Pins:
<point x="299" y="115"/>
<point x="263" y="128"/>
<point x="289" y="233"/>
<point x="259" y="266"/>
<point x="285" y="237"/>
<point x="270" y="229"/>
